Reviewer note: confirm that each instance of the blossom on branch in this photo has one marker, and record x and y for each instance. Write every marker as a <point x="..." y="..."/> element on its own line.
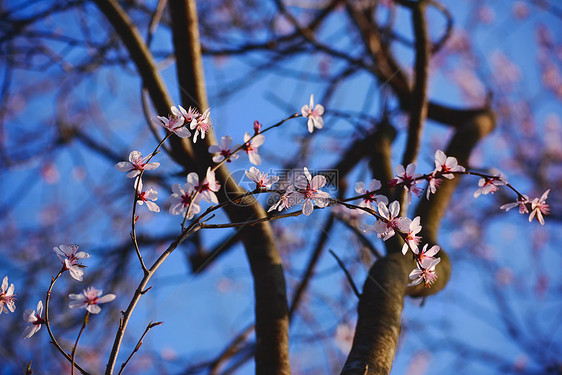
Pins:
<point x="371" y="200"/>
<point x="148" y="197"/>
<point x="201" y="124"/>
<point x="251" y="147"/>
<point x="175" y="124"/>
<point x="490" y="185"/>
<point x="89" y="299"/>
<point x="390" y="222"/>
<point x="407" y="177"/>
<point x="262" y="180"/>
<point x="432" y="184"/>
<point x="136" y="164"/>
<point x="7" y="297"/>
<point x="539" y="207"/>
<point x="286" y="200"/>
<point x="314" y="115"/>
<point x="426" y="256"/>
<point x="309" y="191"/>
<point x="182" y="198"/>
<point x="445" y="164"/>
<point x="522" y="202"/>
<point x="188" y="116"/>
<point x="70" y="258"/>
<point x="224" y="150"/>
<point x="425" y="273"/>
<point x="35" y="320"/>
<point x="411" y="238"/>
<point x="207" y="188"/>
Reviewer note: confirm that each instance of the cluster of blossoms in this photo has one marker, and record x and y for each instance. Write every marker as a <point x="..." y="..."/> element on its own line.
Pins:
<point x="539" y="207"/>
<point x="390" y="223"/>
<point x="90" y="298"/>
<point x="305" y="190"/>
<point x="186" y="199"/>
<point x="180" y="120"/>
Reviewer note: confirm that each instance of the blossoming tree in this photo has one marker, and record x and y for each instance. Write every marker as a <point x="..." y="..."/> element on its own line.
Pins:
<point x="193" y="195"/>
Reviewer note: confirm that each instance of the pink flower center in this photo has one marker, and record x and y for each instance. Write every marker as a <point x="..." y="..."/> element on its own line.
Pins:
<point x="248" y="147"/>
<point x="6" y="299"/>
<point x="444" y="168"/>
<point x="429" y="277"/>
<point x="39" y="320"/>
<point x="186" y="199"/>
<point x="393" y="223"/>
<point x="309" y="193"/>
<point x="370" y="197"/>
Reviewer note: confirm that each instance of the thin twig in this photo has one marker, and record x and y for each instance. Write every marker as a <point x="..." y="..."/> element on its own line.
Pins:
<point x="48" y="324"/>
<point x="347" y="275"/>
<point x="78" y="339"/>
<point x="139" y="343"/>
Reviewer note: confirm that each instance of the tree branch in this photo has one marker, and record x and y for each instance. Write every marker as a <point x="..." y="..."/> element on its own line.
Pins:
<point x="272" y="351"/>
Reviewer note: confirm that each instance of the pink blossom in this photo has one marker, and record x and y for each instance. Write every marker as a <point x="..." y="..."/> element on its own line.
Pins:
<point x="70" y="258"/>
<point x="35" y="320"/>
<point x="411" y="238"/>
<point x="175" y="124"/>
<point x="314" y="114"/>
<point x="408" y="178"/>
<point x="188" y="116"/>
<point x="427" y="255"/>
<point x="136" y="164"/>
<point x="489" y="185"/>
<point x="372" y="199"/>
<point x="182" y="198"/>
<point x="251" y="147"/>
<point x="425" y="273"/>
<point x="89" y="299"/>
<point x="208" y="187"/>
<point x="224" y="150"/>
<point x="148" y="197"/>
<point x="390" y="222"/>
<point x="522" y="202"/>
<point x="201" y="124"/>
<point x="433" y="184"/>
<point x="286" y="200"/>
<point x="261" y="179"/>
<point x="309" y="191"/>
<point x="7" y="297"/>
<point x="539" y="207"/>
<point x="444" y="164"/>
